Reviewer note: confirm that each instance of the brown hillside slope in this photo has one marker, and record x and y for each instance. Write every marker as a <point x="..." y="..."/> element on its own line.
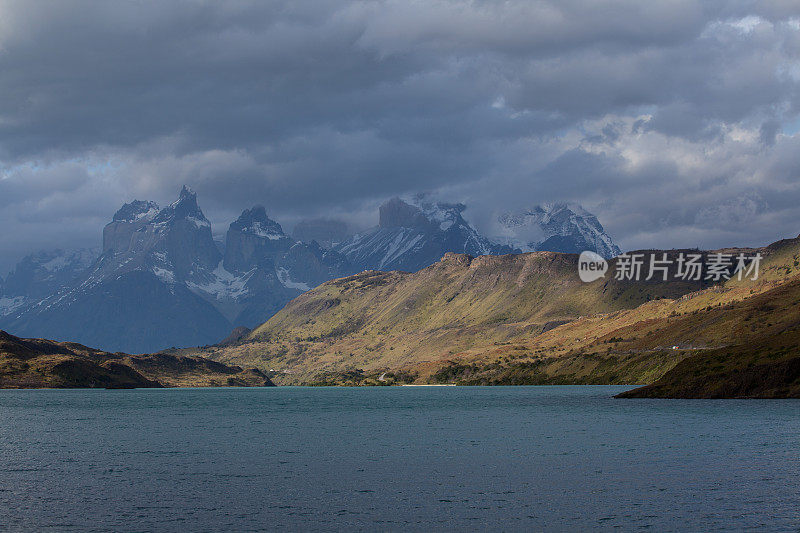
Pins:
<point x="379" y="320"/>
<point x="39" y="363"/>
<point x="637" y="346"/>
<point x="527" y="309"/>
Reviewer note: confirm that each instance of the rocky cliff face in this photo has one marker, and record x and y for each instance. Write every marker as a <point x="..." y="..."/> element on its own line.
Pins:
<point x="186" y="234"/>
<point x="174" y="243"/>
<point x="118" y="235"/>
<point x="254" y="240"/>
<point x="137" y="296"/>
<point x="398" y="214"/>
<point x="264" y="268"/>
<point x="161" y="280"/>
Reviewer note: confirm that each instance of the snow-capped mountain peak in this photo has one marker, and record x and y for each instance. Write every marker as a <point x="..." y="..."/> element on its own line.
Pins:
<point x="555" y="227"/>
<point x="161" y="280"/>
<point x="40" y="274"/>
<point x="184" y="208"/>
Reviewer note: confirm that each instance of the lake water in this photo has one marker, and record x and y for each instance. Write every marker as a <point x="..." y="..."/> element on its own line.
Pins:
<point x="392" y="458"/>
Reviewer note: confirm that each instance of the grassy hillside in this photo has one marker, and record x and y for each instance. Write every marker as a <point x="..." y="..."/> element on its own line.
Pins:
<point x="383" y="320"/>
<point x="637" y="346"/>
<point x="508" y="319"/>
<point x="39" y="363"/>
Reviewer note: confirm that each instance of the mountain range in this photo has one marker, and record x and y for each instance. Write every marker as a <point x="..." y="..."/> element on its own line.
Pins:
<point x="161" y="280"/>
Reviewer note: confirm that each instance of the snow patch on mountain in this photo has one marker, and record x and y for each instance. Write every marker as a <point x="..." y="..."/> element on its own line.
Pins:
<point x="10" y="304"/>
<point x="403" y="242"/>
<point x="264" y="231"/>
<point x="163" y="266"/>
<point x="40" y="275"/>
<point x="223" y="285"/>
<point x="136" y="210"/>
<point x="200" y="223"/>
<point x="167" y="276"/>
<point x="286" y="280"/>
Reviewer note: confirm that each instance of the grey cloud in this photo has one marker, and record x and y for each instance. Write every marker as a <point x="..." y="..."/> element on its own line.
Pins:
<point x="647" y="112"/>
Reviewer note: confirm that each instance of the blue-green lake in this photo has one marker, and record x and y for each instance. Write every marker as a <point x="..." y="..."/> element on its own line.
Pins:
<point x="394" y="458"/>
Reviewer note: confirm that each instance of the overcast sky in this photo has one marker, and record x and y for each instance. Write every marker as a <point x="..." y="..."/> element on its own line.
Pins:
<point x="675" y="122"/>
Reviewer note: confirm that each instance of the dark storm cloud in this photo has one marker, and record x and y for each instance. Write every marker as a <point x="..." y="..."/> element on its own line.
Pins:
<point x="659" y="115"/>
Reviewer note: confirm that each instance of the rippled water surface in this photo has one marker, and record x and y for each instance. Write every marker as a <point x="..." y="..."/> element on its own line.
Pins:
<point x="421" y="458"/>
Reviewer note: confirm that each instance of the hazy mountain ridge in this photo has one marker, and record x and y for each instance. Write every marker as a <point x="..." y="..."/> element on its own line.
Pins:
<point x="41" y="274"/>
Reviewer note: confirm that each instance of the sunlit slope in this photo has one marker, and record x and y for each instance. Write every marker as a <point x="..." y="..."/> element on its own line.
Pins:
<point x="496" y="311"/>
<point x="458" y="292"/>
